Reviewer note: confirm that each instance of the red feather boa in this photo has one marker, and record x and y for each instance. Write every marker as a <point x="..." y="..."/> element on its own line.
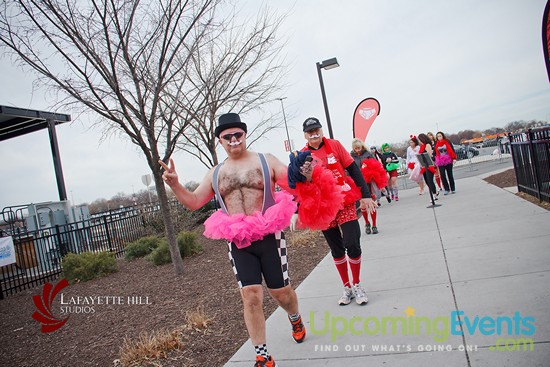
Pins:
<point x="320" y="200"/>
<point x="373" y="171"/>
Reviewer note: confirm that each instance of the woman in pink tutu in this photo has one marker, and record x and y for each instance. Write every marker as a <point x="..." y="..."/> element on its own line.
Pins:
<point x="444" y="158"/>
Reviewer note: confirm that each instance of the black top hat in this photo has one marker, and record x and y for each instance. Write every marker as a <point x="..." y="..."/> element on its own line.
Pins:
<point x="228" y="120"/>
<point x="311" y="123"/>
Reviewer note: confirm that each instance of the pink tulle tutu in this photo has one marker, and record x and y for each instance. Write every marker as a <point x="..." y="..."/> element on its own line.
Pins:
<point x="443" y="160"/>
<point x="242" y="229"/>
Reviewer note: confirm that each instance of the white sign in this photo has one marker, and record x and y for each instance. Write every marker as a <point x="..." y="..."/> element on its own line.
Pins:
<point x="146" y="179"/>
<point x="7" y="251"/>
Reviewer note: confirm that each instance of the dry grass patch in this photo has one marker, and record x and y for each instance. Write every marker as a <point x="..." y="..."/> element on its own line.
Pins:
<point x="302" y="238"/>
<point x="149" y="347"/>
<point x="197" y="319"/>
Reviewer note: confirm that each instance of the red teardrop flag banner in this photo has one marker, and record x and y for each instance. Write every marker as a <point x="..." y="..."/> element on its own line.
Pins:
<point x="363" y="117"/>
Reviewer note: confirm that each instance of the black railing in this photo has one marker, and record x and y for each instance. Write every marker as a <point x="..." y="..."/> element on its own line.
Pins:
<point x="531" y="157"/>
<point x="39" y="253"/>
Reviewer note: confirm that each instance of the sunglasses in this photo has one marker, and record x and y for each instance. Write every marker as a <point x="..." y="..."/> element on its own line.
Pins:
<point x="228" y="137"/>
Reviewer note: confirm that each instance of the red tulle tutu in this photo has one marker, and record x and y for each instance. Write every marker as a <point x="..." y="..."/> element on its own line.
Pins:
<point x="242" y="229"/>
<point x="320" y="200"/>
<point x="373" y="171"/>
<point x="353" y="194"/>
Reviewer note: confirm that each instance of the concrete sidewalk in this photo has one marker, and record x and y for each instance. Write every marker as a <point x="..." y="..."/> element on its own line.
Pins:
<point x="484" y="254"/>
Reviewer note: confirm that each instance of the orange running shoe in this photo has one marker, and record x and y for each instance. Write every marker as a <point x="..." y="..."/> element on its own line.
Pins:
<point x="263" y="362"/>
<point x="298" y="330"/>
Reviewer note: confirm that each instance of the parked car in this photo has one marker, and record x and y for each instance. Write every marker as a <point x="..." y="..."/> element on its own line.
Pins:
<point x="464" y="152"/>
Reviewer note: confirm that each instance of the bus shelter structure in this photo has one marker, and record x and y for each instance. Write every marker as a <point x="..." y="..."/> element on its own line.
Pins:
<point x="15" y="122"/>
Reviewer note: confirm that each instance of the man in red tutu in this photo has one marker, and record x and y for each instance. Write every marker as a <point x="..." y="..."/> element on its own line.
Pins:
<point x="251" y="219"/>
<point x="343" y="233"/>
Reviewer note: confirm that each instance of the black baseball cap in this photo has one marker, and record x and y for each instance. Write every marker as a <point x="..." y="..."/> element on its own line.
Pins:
<point x="311" y="123"/>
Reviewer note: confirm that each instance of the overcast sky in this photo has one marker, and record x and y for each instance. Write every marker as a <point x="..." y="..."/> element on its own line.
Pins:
<point x="432" y="65"/>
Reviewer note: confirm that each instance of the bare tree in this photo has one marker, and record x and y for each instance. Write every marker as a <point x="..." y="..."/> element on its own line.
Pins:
<point x="239" y="69"/>
<point x="400" y="148"/>
<point x="116" y="58"/>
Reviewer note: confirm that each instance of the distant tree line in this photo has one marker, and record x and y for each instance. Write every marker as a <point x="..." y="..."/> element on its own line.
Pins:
<point x="400" y="148"/>
<point x="510" y="127"/>
<point x="121" y="199"/>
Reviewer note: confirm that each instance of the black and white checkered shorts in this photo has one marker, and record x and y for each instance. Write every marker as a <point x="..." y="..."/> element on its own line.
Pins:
<point x="267" y="257"/>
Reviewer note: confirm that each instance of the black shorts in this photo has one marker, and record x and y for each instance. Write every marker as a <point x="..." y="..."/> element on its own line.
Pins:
<point x="265" y="257"/>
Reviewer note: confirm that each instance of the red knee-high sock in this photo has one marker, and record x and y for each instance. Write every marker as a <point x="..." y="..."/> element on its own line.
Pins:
<point x="342" y="267"/>
<point x="373" y="216"/>
<point x="438" y="180"/>
<point x="366" y="216"/>
<point x="355" y="266"/>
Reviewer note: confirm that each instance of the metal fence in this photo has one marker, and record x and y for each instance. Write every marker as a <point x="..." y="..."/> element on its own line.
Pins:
<point x="39" y="253"/>
<point x="531" y="157"/>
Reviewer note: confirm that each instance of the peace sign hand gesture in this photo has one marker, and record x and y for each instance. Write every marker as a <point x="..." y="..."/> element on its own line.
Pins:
<point x="170" y="176"/>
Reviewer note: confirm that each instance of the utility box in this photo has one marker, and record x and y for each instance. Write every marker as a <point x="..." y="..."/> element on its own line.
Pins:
<point x="80" y="213"/>
<point x="47" y="214"/>
<point x="51" y="243"/>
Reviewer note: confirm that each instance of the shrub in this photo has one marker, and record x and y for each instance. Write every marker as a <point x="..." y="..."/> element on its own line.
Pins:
<point x="161" y="255"/>
<point x="188" y="245"/>
<point x="88" y="265"/>
<point x="140" y="248"/>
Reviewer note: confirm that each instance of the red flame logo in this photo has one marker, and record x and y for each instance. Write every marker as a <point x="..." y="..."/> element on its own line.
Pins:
<point x="43" y="313"/>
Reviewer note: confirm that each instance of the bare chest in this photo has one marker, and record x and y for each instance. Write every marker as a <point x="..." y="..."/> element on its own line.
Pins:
<point x="241" y="189"/>
<point x="230" y="180"/>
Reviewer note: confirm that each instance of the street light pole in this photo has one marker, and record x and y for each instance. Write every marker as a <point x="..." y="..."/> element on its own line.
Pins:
<point x="327" y="65"/>
<point x="286" y="127"/>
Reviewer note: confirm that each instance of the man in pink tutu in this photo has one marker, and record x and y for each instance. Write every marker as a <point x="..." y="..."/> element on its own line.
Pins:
<point x="251" y="219"/>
